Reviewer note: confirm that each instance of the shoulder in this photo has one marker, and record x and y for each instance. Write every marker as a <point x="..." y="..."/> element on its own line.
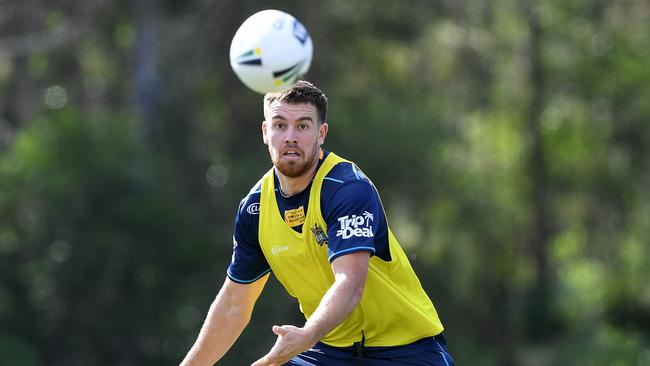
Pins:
<point x="345" y="185"/>
<point x="250" y="204"/>
<point x="345" y="172"/>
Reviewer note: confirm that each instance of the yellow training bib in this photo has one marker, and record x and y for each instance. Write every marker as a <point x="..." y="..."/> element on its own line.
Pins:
<point x="394" y="309"/>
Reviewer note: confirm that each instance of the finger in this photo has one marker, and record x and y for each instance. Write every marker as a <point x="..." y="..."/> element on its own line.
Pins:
<point x="261" y="362"/>
<point x="265" y="361"/>
<point x="279" y="330"/>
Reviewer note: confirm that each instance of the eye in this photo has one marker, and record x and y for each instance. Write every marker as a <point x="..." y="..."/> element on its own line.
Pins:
<point x="303" y="126"/>
<point x="279" y="125"/>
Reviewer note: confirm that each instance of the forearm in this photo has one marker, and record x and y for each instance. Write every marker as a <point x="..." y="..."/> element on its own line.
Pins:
<point x="338" y="302"/>
<point x="228" y="316"/>
<point x="335" y="306"/>
<point x="219" y="332"/>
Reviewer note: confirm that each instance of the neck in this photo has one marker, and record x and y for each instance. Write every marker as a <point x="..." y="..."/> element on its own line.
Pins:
<point x="290" y="186"/>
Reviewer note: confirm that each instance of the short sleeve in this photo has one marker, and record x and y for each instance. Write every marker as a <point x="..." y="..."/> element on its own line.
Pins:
<point x="248" y="263"/>
<point x="352" y="213"/>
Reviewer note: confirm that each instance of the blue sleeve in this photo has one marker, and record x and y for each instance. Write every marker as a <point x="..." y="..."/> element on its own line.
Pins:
<point x="248" y="263"/>
<point x="352" y="214"/>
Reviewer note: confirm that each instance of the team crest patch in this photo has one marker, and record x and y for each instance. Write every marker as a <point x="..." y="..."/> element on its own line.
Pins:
<point x="319" y="234"/>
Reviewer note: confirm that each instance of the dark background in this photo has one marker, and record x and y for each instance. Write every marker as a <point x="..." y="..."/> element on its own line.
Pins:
<point x="509" y="141"/>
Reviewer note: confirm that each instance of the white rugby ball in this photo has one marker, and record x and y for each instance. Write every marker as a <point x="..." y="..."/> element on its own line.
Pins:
<point x="270" y="51"/>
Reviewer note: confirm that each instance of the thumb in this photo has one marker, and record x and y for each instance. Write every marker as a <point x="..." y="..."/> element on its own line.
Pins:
<point x="279" y="330"/>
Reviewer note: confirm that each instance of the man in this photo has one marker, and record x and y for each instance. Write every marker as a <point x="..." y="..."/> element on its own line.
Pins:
<point x="316" y="221"/>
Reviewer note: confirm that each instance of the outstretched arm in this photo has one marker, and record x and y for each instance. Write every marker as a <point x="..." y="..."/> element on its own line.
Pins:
<point x="228" y="316"/>
<point x="350" y="273"/>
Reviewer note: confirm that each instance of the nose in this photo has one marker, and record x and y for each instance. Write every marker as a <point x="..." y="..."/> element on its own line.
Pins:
<point x="290" y="135"/>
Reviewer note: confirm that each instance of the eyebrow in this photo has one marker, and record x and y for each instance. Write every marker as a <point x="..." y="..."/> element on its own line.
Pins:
<point x="301" y="119"/>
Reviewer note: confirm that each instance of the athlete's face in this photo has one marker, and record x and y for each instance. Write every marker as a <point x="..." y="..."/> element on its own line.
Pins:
<point x="294" y="137"/>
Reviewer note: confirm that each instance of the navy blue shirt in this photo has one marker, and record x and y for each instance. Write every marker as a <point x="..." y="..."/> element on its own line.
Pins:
<point x="350" y="206"/>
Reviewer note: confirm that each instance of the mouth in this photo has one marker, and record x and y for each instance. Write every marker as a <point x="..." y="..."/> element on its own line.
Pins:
<point x="291" y="154"/>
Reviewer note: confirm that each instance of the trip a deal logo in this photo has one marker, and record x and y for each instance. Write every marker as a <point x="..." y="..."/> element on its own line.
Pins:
<point x="355" y="225"/>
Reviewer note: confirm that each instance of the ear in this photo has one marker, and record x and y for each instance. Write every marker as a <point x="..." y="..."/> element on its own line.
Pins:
<point x="322" y="132"/>
<point x="264" y="135"/>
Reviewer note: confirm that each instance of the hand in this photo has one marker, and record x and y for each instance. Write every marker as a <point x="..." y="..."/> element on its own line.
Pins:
<point x="291" y="341"/>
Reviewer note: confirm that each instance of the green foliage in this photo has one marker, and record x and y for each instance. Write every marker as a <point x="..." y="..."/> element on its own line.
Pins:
<point x="15" y="351"/>
<point x="90" y="225"/>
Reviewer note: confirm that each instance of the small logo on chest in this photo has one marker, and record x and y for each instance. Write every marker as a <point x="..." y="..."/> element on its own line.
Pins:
<point x="295" y="217"/>
<point x="279" y="249"/>
<point x="319" y="235"/>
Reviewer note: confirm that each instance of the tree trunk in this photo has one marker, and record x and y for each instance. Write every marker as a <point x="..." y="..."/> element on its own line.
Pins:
<point x="147" y="82"/>
<point x="539" y="301"/>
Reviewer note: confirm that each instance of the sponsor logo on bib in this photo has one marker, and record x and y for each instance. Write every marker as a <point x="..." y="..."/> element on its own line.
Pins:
<point x="279" y="249"/>
<point x="295" y="217"/>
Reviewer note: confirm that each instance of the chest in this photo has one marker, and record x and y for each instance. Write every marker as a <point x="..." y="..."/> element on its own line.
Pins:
<point x="294" y="255"/>
<point x="293" y="210"/>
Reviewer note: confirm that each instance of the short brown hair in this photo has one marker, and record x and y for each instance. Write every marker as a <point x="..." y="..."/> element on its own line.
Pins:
<point x="302" y="92"/>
